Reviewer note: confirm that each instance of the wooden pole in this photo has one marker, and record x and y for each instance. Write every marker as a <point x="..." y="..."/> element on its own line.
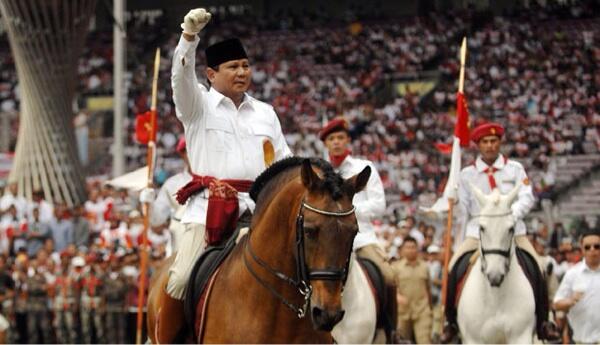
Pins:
<point x="447" y="252"/>
<point x="150" y="159"/>
<point x="448" y="234"/>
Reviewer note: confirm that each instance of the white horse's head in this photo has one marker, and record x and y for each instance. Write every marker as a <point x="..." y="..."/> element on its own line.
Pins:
<point x="496" y="232"/>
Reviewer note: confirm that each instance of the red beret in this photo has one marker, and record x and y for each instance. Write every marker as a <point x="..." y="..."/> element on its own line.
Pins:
<point x="485" y="130"/>
<point x="181" y="144"/>
<point x="335" y="125"/>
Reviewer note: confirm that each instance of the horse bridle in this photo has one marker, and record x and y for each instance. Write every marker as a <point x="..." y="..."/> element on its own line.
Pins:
<point x="502" y="252"/>
<point x="303" y="273"/>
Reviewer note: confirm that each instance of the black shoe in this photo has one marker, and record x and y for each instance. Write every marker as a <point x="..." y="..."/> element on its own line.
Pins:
<point x="449" y="333"/>
<point x="549" y="332"/>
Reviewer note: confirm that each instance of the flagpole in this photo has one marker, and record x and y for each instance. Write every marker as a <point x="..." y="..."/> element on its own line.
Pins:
<point x="448" y="234"/>
<point x="150" y="159"/>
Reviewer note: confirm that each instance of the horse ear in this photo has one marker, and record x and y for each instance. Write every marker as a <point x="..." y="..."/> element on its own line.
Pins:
<point x="481" y="198"/>
<point x="511" y="196"/>
<point x="310" y="178"/>
<point x="359" y="181"/>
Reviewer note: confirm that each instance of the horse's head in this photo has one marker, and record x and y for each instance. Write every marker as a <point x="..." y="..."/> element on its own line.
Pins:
<point x="326" y="227"/>
<point x="496" y="232"/>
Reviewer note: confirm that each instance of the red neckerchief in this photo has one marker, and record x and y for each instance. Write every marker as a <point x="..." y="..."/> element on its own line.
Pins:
<point x="337" y="160"/>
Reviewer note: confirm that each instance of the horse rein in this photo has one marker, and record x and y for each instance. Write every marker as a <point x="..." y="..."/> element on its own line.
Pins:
<point x="303" y="274"/>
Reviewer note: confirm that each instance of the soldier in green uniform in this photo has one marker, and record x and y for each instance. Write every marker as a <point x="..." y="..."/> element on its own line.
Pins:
<point x="38" y="316"/>
<point x="114" y="291"/>
<point x="66" y="296"/>
<point x="91" y="303"/>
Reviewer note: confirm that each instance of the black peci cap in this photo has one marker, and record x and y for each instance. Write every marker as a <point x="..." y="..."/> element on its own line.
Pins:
<point x="230" y="49"/>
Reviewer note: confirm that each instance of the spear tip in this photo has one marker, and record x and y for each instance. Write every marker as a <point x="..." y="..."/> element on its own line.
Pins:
<point x="463" y="51"/>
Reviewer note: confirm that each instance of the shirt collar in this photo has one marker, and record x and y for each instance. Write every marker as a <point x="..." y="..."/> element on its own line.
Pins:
<point x="480" y="165"/>
<point x="216" y="98"/>
<point x="346" y="163"/>
<point x="588" y="269"/>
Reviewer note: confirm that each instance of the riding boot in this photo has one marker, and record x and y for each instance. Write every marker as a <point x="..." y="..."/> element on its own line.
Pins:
<point x="450" y="329"/>
<point x="391" y="313"/>
<point x="549" y="332"/>
<point x="170" y="320"/>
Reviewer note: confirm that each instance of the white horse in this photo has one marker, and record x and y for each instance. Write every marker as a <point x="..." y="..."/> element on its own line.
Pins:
<point x="497" y="304"/>
<point x="359" y="324"/>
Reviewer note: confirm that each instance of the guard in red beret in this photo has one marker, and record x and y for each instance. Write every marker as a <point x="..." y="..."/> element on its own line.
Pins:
<point x="369" y="203"/>
<point x="492" y="170"/>
<point x="487" y="129"/>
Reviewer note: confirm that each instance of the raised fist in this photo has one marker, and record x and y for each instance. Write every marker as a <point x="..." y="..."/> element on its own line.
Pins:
<point x="195" y="20"/>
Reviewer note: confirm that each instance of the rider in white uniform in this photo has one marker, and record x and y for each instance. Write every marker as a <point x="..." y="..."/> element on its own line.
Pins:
<point x="369" y="203"/>
<point x="166" y="208"/>
<point x="492" y="170"/>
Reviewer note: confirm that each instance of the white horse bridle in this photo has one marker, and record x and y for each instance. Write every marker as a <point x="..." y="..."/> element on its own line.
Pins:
<point x="496" y="251"/>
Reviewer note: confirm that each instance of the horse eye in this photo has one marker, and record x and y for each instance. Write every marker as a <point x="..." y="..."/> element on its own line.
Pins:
<point x="311" y="232"/>
<point x="511" y="230"/>
<point x="481" y="228"/>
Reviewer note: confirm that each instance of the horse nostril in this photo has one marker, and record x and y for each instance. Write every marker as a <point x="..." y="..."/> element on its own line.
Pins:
<point x="316" y="313"/>
<point x="338" y="316"/>
<point x="495" y="279"/>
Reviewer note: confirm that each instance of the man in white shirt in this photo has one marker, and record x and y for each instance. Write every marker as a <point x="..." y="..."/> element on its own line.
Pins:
<point x="579" y="291"/>
<point x="166" y="208"/>
<point x="225" y="132"/>
<point x="46" y="209"/>
<point x="369" y="203"/>
<point x="11" y="197"/>
<point x="493" y="170"/>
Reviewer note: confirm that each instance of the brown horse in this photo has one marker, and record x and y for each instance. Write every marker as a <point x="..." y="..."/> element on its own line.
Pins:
<point x="294" y="260"/>
<point x="292" y="264"/>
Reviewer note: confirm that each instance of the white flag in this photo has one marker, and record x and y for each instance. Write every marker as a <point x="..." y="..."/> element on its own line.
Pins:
<point x="451" y="189"/>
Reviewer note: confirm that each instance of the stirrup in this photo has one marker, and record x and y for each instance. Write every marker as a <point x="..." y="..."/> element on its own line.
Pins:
<point x="549" y="332"/>
<point x="448" y="334"/>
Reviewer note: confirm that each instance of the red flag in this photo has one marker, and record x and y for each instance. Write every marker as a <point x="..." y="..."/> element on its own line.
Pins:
<point x="461" y="130"/>
<point x="144" y="130"/>
<point x="443" y="148"/>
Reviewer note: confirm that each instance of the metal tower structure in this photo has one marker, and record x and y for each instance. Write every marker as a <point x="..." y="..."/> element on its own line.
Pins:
<point x="46" y="38"/>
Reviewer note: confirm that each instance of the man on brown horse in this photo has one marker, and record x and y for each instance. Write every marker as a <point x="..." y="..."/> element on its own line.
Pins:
<point x="225" y="130"/>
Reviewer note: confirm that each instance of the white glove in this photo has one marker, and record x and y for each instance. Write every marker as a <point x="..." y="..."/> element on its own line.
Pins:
<point x="195" y="20"/>
<point x="147" y="195"/>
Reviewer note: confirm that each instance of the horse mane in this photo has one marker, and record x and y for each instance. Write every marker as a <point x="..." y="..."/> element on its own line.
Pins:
<point x="330" y="181"/>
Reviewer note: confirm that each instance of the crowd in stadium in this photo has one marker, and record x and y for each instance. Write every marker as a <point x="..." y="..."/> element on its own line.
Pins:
<point x="539" y="78"/>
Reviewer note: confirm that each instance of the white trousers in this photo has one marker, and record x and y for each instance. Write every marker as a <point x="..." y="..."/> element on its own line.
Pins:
<point x="189" y="249"/>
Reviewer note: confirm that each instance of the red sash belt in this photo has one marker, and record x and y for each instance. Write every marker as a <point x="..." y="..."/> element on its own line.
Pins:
<point x="223" y="205"/>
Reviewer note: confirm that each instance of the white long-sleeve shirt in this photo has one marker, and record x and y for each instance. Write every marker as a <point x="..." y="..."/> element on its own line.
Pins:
<point x="509" y="173"/>
<point x="369" y="203"/>
<point x="222" y="141"/>
<point x="166" y="206"/>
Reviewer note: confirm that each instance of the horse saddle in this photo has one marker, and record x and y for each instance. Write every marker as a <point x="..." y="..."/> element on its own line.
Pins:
<point x="385" y="296"/>
<point x="204" y="268"/>
<point x="458" y="276"/>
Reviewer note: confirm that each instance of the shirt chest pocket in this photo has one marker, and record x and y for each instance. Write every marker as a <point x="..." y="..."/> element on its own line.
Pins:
<point x="507" y="183"/>
<point x="219" y="134"/>
<point x="260" y="133"/>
